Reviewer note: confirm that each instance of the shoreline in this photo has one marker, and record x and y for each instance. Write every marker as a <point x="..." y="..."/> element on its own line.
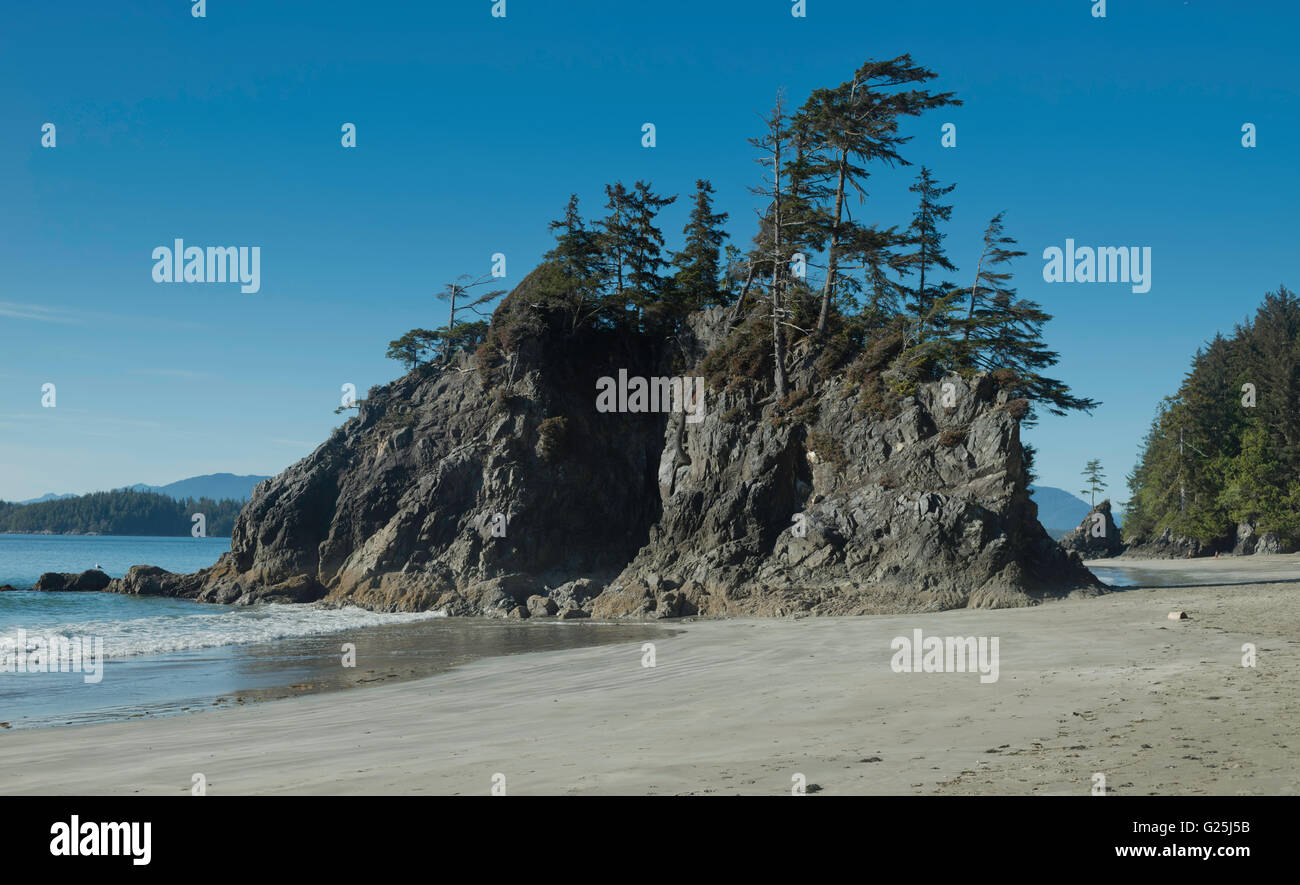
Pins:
<point x="208" y="678"/>
<point x="1105" y="684"/>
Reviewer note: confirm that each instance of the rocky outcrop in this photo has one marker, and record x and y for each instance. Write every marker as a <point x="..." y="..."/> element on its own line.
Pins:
<point x="1167" y="545"/>
<point x="1096" y="537"/>
<point x="1244" y="541"/>
<point x="1251" y="540"/>
<point x="494" y="487"/>
<point x="89" y="581"/>
<point x="844" y="513"/>
<point x="1247" y="540"/>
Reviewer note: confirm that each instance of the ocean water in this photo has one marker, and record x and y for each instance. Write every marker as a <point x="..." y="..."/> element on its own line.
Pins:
<point x="1118" y="577"/>
<point x="168" y="656"/>
<point x="23" y="558"/>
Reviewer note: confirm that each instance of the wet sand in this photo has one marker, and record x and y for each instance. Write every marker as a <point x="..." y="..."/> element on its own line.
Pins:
<point x="1106" y="685"/>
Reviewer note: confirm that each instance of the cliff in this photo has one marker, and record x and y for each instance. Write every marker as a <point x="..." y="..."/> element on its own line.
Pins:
<point x="476" y="488"/>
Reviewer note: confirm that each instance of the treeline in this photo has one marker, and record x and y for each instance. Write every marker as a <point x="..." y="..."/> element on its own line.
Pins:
<point x="1225" y="449"/>
<point x="819" y="288"/>
<point x="121" y="512"/>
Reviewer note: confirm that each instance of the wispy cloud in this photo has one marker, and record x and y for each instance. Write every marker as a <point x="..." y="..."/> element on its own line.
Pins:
<point x="173" y="373"/>
<point x="38" y="312"/>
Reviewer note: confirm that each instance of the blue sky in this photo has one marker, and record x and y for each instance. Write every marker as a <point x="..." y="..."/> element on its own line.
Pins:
<point x="472" y="131"/>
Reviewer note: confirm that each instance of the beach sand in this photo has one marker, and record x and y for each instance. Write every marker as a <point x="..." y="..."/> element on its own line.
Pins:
<point x="1105" y="685"/>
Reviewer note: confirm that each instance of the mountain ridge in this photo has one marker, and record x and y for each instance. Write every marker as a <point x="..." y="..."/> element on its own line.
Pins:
<point x="217" y="486"/>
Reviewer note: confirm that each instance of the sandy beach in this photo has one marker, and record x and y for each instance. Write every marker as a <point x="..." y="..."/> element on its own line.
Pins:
<point x="1105" y="685"/>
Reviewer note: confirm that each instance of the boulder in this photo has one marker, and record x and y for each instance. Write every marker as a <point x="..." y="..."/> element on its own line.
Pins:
<point x="1246" y="541"/>
<point x="89" y="581"/>
<point x="1096" y="537"/>
<point x="541" y="606"/>
<point x="53" y="582"/>
<point x="150" y="580"/>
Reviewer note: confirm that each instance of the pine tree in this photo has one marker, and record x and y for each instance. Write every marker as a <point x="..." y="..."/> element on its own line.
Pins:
<point x="1004" y="333"/>
<point x="461" y="297"/>
<point x="772" y="248"/>
<point x="615" y="236"/>
<point x="1096" y="480"/>
<point x="578" y="256"/>
<point x="698" y="263"/>
<point x="928" y="257"/>
<point x="989" y="279"/>
<point x="1212" y="461"/>
<point x="644" y="258"/>
<point x="854" y="124"/>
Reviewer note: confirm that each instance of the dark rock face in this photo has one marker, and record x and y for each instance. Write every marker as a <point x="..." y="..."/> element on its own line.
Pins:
<point x="845" y="514"/>
<point x="1096" y="537"/>
<point x="1251" y="540"/>
<point x="1167" y="545"/>
<point x="506" y="494"/>
<point x="89" y="581"/>
<point x="1247" y="540"/>
<point x="149" y="580"/>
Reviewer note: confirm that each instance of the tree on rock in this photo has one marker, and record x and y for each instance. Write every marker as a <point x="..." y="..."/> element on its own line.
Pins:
<point x="1096" y="480"/>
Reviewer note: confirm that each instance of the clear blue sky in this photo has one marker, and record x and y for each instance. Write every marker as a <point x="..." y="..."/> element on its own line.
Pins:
<point x="472" y="131"/>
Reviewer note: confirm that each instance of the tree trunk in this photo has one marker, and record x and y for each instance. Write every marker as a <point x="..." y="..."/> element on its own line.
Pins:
<point x="451" y="326"/>
<point x="778" y="338"/>
<point x="832" y="253"/>
<point x="739" y="309"/>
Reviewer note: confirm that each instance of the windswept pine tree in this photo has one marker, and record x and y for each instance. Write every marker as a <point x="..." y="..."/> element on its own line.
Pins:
<point x="1003" y="333"/>
<point x="883" y="310"/>
<point x="849" y="126"/>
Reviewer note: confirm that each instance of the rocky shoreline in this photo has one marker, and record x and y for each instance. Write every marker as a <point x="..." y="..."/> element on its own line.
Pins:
<point x="494" y="487"/>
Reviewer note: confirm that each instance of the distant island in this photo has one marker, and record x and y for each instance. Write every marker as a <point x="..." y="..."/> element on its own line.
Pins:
<point x="120" y="512"/>
<point x="217" y="486"/>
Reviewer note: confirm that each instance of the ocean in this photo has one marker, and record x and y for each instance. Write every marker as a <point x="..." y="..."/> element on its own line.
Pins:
<point x="168" y="656"/>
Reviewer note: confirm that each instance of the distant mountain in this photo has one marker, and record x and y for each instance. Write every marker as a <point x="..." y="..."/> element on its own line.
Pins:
<point x="1058" y="510"/>
<point x="48" y="496"/>
<point x="217" y="486"/>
